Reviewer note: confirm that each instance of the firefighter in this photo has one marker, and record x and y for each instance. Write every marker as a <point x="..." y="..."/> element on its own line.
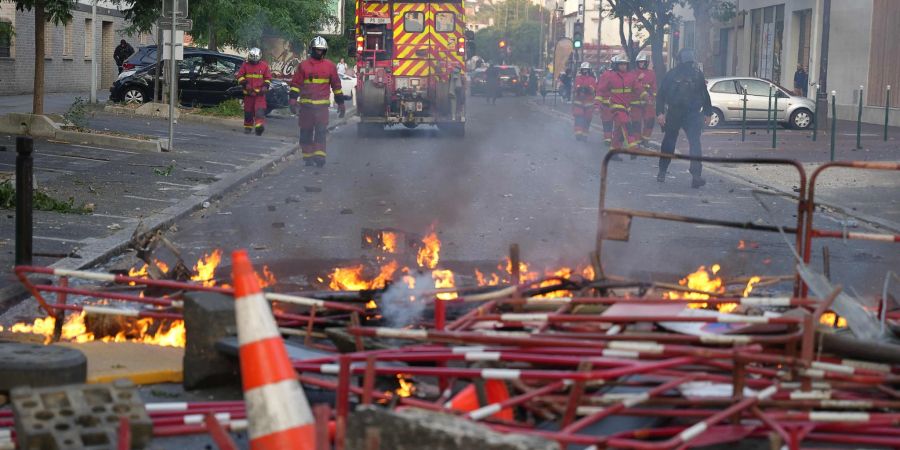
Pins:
<point x="648" y="80"/>
<point x="621" y="87"/>
<point x="255" y="77"/>
<point x="583" y="103"/>
<point x="601" y="102"/>
<point x="314" y="78"/>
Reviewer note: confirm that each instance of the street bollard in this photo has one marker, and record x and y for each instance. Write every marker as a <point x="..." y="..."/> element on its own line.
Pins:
<point x="887" y="109"/>
<point x="24" y="200"/>
<point x="775" y="121"/>
<point x="833" y="122"/>
<point x="816" y="118"/>
<point x="769" y="110"/>
<point x="744" y="116"/>
<point x="859" y="120"/>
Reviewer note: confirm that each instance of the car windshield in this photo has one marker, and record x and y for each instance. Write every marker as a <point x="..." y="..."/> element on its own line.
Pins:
<point x="507" y="72"/>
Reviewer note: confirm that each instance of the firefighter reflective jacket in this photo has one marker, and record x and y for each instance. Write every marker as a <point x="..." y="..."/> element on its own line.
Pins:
<point x="254" y="76"/>
<point x="647" y="77"/>
<point x="585" y="90"/>
<point x="313" y="80"/>
<point x="617" y="90"/>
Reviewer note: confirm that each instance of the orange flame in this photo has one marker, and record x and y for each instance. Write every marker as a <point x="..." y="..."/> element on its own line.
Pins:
<point x="389" y="241"/>
<point x="407" y="388"/>
<point x="444" y="279"/>
<point x="828" y="318"/>
<point x="352" y="278"/>
<point x="430" y="253"/>
<point x="75" y="330"/>
<point x="205" y="268"/>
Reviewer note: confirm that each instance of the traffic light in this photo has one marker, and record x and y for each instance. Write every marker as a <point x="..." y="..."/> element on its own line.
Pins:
<point x="502" y="44"/>
<point x="578" y="34"/>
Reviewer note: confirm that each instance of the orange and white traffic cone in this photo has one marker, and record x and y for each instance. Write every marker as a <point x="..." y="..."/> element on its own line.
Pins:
<point x="495" y="391"/>
<point x="277" y="410"/>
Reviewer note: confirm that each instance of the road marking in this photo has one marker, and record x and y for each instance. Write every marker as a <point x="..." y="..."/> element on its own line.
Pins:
<point x="191" y="186"/>
<point x="223" y="164"/>
<point x="48" y="238"/>
<point x="148" y="199"/>
<point x="113" y="216"/>
<point x="105" y="149"/>
<point x="200" y="172"/>
<point x="87" y="158"/>
<point x="44" y="169"/>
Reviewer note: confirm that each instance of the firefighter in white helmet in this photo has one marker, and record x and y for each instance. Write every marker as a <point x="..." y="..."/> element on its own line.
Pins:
<point x="583" y="102"/>
<point x="311" y="85"/>
<point x="255" y="77"/>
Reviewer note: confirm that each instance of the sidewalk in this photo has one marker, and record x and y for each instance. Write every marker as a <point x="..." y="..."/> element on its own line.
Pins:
<point x="870" y="196"/>
<point x="54" y="103"/>
<point x="127" y="187"/>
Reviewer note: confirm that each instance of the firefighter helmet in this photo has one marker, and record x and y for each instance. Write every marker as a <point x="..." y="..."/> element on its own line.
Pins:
<point x="254" y="55"/>
<point x="643" y="60"/>
<point x="618" y="60"/>
<point x="585" y="65"/>
<point x="318" y="47"/>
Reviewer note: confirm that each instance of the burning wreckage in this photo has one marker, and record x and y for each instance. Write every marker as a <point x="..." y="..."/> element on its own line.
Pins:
<point x="400" y="352"/>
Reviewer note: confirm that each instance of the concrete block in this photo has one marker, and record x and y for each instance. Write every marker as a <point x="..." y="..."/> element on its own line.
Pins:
<point x="411" y="428"/>
<point x="28" y="124"/>
<point x="156" y="110"/>
<point x="34" y="364"/>
<point x="208" y="317"/>
<point x="106" y="140"/>
<point x="79" y="417"/>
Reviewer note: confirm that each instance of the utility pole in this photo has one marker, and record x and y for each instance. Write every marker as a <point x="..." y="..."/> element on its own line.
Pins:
<point x="822" y="95"/>
<point x="541" y="39"/>
<point x="94" y="62"/>
<point x="599" y="5"/>
<point x="173" y="80"/>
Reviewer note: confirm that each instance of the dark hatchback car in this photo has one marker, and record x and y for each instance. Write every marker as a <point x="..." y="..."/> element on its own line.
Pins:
<point x="205" y="78"/>
<point x="143" y="56"/>
<point x="509" y="80"/>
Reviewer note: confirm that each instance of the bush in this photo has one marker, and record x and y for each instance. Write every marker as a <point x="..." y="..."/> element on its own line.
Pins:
<point x="228" y="108"/>
<point x="42" y="201"/>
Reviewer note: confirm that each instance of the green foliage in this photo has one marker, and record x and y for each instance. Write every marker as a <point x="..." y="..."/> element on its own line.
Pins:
<point x="524" y="42"/>
<point x="56" y="11"/>
<point x="244" y="23"/>
<point x="166" y="172"/>
<point x="77" y="113"/>
<point x="42" y="201"/>
<point x="228" y="108"/>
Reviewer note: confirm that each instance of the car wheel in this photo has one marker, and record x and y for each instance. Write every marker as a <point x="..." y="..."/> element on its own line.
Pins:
<point x="716" y="120"/>
<point x="801" y="119"/>
<point x="134" y="96"/>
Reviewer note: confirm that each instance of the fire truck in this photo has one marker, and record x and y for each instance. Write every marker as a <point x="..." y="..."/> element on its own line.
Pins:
<point x="410" y="64"/>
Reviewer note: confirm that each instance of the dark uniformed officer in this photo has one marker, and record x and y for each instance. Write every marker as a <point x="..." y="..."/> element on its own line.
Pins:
<point x="683" y="104"/>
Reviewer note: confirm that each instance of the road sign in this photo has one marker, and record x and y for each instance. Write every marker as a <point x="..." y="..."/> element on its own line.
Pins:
<point x="179" y="45"/>
<point x="180" y="24"/>
<point x="181" y="8"/>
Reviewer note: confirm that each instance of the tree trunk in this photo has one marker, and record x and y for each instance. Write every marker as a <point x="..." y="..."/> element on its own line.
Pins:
<point x="659" y="64"/>
<point x="213" y="44"/>
<point x="702" y="28"/>
<point x="40" y="24"/>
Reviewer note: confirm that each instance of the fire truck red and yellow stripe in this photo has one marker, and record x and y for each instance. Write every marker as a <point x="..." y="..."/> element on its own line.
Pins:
<point x="415" y="52"/>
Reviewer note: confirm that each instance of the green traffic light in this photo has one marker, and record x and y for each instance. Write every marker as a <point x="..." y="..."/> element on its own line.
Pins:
<point x="577" y="44"/>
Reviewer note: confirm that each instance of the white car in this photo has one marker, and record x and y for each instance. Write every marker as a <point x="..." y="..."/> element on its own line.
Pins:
<point x="727" y="98"/>
<point x="348" y="86"/>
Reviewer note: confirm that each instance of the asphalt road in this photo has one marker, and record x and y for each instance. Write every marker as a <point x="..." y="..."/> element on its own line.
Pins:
<point x="517" y="177"/>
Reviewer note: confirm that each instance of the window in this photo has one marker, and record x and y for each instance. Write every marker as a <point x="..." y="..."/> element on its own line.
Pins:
<point x="414" y="22"/>
<point x="756" y="87"/>
<point x="6" y="34"/>
<point x="444" y="22"/>
<point x="688" y="41"/>
<point x="219" y="66"/>
<point x="766" y="34"/>
<point x="67" y="39"/>
<point x="48" y="40"/>
<point x="88" y="38"/>
<point x="190" y="64"/>
<point x="724" y="87"/>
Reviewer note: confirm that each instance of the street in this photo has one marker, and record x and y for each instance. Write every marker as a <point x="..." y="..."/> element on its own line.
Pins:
<point x="517" y="177"/>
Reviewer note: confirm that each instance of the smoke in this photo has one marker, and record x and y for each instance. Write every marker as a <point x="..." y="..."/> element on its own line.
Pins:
<point x="402" y="305"/>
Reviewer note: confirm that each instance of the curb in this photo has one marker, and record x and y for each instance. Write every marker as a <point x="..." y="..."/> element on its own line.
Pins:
<point x="43" y="127"/>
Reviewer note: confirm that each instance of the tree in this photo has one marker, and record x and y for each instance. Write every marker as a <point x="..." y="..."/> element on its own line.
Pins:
<point x="705" y="13"/>
<point x="654" y="16"/>
<point x="56" y="11"/>
<point x="244" y="23"/>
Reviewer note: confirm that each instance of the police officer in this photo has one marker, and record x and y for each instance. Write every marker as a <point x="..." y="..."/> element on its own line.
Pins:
<point x="683" y="104"/>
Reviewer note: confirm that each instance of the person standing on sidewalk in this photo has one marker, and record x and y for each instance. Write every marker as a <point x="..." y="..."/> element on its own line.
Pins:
<point x="583" y="103"/>
<point x="314" y="78"/>
<point x="683" y="104"/>
<point x="255" y="77"/>
<point x="341" y="67"/>
<point x="565" y="85"/>
<point x="492" y="83"/>
<point x="801" y="81"/>
<point x="122" y="52"/>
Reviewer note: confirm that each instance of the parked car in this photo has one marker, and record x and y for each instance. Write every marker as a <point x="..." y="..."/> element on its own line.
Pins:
<point x="143" y="56"/>
<point x="478" y="82"/>
<point x="510" y="81"/>
<point x="205" y="78"/>
<point x="348" y="87"/>
<point x="727" y="98"/>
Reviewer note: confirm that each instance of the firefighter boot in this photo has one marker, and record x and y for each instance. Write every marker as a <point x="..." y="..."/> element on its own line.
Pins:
<point x="248" y="130"/>
<point x="319" y="160"/>
<point x="260" y="129"/>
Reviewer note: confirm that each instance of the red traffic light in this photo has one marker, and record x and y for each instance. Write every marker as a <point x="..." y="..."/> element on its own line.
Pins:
<point x="502" y="44"/>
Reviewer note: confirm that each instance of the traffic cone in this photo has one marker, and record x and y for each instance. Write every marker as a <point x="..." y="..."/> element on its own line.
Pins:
<point x="467" y="399"/>
<point x="277" y="410"/>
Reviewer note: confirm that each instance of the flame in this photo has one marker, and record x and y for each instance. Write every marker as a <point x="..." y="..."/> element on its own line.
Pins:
<point x="371" y="304"/>
<point x="482" y="281"/>
<point x="430" y="252"/>
<point x="267" y="278"/>
<point x="700" y="280"/>
<point x="352" y="278"/>
<point x="144" y="271"/>
<point x="75" y="330"/>
<point x="828" y="318"/>
<point x="444" y="279"/>
<point x="389" y="241"/>
<point x="407" y="388"/>
<point x="747" y="290"/>
<point x="205" y="268"/>
<point x="741" y="245"/>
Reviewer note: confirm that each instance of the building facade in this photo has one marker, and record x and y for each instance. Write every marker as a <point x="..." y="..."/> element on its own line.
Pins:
<point x="770" y="39"/>
<point x="69" y="48"/>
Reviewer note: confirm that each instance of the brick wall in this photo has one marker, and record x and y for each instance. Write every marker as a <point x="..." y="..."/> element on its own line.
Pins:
<point x="69" y="72"/>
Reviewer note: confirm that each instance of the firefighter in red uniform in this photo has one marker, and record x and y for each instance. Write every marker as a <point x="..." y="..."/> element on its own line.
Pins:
<point x="621" y="87"/>
<point x="255" y="77"/>
<point x="648" y="80"/>
<point x="583" y="103"/>
<point x="313" y="79"/>
<point x="601" y="102"/>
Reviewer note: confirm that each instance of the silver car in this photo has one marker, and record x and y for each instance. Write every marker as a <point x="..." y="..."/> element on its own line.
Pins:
<point x="727" y="98"/>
